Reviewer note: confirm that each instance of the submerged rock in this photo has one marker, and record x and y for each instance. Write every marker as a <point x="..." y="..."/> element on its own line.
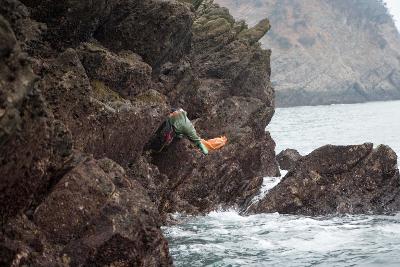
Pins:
<point x="288" y="158"/>
<point x="338" y="179"/>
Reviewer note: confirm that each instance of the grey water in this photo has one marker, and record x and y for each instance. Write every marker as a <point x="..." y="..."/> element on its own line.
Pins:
<point x="224" y="238"/>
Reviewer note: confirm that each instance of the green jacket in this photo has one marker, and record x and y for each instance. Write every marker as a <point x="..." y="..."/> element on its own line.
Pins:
<point x="183" y="126"/>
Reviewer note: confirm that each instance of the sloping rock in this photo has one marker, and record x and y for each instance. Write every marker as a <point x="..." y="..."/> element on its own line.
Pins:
<point x="254" y="34"/>
<point x="125" y="73"/>
<point x="287" y="158"/>
<point x="338" y="179"/>
<point x="22" y="243"/>
<point x="101" y="121"/>
<point x="95" y="215"/>
<point x="16" y="80"/>
<point x="103" y="218"/>
<point x="149" y="176"/>
<point x="43" y="221"/>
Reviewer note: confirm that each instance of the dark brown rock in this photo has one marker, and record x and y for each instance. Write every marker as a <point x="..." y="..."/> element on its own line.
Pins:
<point x="149" y="176"/>
<point x="34" y="147"/>
<point x="287" y="158"/>
<point x="125" y="73"/>
<point x="159" y="31"/>
<point x="17" y="79"/>
<point x="101" y="121"/>
<point x="22" y="243"/>
<point x="103" y="218"/>
<point x="96" y="216"/>
<point x="28" y="32"/>
<point x="223" y="179"/>
<point x="338" y="179"/>
<point x="70" y="22"/>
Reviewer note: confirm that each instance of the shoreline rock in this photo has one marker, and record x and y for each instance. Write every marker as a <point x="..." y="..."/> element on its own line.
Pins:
<point x="336" y="180"/>
<point x="287" y="159"/>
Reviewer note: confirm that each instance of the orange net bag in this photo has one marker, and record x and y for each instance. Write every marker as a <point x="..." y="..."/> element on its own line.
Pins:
<point x="216" y="143"/>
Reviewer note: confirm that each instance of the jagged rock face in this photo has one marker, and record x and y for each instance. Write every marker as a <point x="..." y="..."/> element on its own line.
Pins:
<point x="27" y="31"/>
<point x="230" y="95"/>
<point x="320" y="47"/>
<point x="101" y="121"/>
<point x="287" y="158"/>
<point x="226" y="50"/>
<point x="338" y="179"/>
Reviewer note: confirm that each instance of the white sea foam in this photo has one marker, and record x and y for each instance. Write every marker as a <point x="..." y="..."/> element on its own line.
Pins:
<point x="227" y="239"/>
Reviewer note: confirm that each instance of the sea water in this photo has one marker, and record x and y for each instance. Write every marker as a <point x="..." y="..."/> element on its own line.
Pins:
<point x="227" y="239"/>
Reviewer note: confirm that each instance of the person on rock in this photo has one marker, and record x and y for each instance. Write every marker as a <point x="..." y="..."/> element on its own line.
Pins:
<point x="177" y="125"/>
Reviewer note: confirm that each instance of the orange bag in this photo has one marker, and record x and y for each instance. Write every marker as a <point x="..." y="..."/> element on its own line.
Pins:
<point x="216" y="143"/>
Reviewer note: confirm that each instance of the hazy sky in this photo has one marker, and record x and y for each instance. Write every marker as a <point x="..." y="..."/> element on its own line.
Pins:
<point x="394" y="8"/>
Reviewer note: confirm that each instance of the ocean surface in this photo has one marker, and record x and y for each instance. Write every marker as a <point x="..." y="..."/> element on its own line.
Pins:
<point x="227" y="239"/>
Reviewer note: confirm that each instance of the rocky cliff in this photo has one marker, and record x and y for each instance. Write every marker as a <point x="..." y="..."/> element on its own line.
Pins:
<point x="84" y="86"/>
<point x="328" y="51"/>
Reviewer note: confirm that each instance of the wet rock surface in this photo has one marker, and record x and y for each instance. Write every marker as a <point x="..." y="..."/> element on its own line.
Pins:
<point x="338" y="179"/>
<point x="287" y="158"/>
<point x="83" y="88"/>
